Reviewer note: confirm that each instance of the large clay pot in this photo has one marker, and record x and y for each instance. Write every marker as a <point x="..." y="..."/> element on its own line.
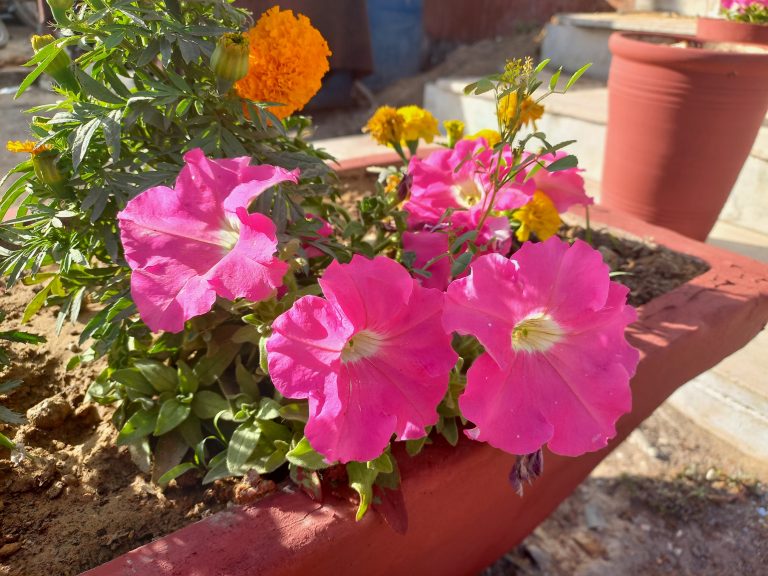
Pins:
<point x="722" y="30"/>
<point x="682" y="118"/>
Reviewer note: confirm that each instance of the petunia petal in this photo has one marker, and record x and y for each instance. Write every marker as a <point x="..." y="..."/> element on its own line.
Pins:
<point x="250" y="270"/>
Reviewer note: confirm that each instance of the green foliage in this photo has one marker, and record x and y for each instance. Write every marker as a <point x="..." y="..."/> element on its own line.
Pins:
<point x="139" y="93"/>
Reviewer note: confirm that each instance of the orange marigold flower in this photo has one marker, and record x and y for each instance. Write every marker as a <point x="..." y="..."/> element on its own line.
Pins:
<point x="287" y="61"/>
<point x="28" y="146"/>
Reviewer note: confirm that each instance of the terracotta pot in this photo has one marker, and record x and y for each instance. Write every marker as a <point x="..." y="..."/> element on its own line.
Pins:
<point x="722" y="30"/>
<point x="681" y="123"/>
<point x="462" y="513"/>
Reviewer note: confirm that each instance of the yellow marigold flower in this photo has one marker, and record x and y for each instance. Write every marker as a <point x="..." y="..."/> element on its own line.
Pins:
<point x="530" y="111"/>
<point x="287" y="60"/>
<point x="385" y="126"/>
<point x="30" y="147"/>
<point x="539" y="217"/>
<point x="491" y="136"/>
<point x="455" y="131"/>
<point x="393" y="181"/>
<point x="418" y="124"/>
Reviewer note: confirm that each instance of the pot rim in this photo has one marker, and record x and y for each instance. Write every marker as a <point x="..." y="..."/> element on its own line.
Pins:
<point x="631" y="45"/>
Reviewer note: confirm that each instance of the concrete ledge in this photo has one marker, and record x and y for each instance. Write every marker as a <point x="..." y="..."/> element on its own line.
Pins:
<point x="571" y="40"/>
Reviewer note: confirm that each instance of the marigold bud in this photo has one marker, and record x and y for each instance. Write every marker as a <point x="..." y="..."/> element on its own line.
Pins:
<point x="45" y="168"/>
<point x="455" y="131"/>
<point x="229" y="60"/>
<point x="58" y="68"/>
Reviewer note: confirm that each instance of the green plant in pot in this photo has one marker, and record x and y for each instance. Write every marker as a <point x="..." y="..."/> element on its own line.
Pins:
<point x="741" y="21"/>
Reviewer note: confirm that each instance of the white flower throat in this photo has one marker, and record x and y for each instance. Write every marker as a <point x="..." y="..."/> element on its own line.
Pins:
<point x="467" y="193"/>
<point x="361" y="345"/>
<point x="536" y="333"/>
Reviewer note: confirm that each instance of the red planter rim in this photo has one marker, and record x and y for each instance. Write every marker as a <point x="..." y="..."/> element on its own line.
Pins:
<point x="644" y="47"/>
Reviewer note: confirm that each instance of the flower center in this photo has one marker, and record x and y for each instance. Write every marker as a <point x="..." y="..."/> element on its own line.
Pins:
<point x="230" y="232"/>
<point x="361" y="345"/>
<point x="537" y="333"/>
<point x="467" y="193"/>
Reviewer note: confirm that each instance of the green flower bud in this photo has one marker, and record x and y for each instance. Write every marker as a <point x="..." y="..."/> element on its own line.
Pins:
<point x="229" y="60"/>
<point x="58" y="68"/>
<point x="44" y="164"/>
<point x="59" y="10"/>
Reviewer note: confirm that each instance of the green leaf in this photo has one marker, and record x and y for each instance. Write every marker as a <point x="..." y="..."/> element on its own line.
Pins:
<point x="175" y="472"/>
<point x="6" y="443"/>
<point x="96" y="89"/>
<point x="188" y="381"/>
<point x="298" y="412"/>
<point x="576" y="75"/>
<point x="263" y="364"/>
<point x="81" y="139"/>
<point x="23" y="337"/>
<point x="554" y="79"/>
<point x="206" y="404"/>
<point x="461" y="240"/>
<point x="382" y="464"/>
<point x="11" y="417"/>
<point x="461" y="263"/>
<point x="138" y="426"/>
<point x="32" y="76"/>
<point x="133" y="380"/>
<point x="247" y="382"/>
<point x="305" y="456"/>
<point x="172" y="413"/>
<point x="241" y="446"/>
<point x="450" y="431"/>
<point x="413" y="447"/>
<point x="161" y="377"/>
<point x="217" y="468"/>
<point x="563" y="163"/>
<point x="9" y="385"/>
<point x="361" y="479"/>
<point x="541" y="65"/>
<point x="211" y="366"/>
<point x="37" y="302"/>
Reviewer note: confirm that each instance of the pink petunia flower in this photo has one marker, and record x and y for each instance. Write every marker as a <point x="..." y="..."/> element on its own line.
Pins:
<point x="556" y="366"/>
<point x="459" y="179"/>
<point x="372" y="358"/>
<point x="564" y="187"/>
<point x="742" y="5"/>
<point x="189" y="243"/>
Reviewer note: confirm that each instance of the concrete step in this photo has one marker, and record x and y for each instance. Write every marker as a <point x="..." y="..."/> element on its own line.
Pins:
<point x="582" y="114"/>
<point x="571" y="40"/>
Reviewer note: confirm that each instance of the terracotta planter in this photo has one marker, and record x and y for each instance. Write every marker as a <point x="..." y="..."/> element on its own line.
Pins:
<point x="722" y="30"/>
<point x="462" y="512"/>
<point x="681" y="123"/>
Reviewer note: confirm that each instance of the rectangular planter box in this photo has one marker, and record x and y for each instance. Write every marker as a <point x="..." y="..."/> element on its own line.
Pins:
<point x="462" y="512"/>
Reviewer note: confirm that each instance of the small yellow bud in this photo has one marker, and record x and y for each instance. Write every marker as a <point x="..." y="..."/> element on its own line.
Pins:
<point x="455" y="131"/>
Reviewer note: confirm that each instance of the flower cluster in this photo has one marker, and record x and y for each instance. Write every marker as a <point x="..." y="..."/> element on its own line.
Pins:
<point x="751" y="11"/>
<point x="257" y="317"/>
<point x="288" y="59"/>
<point x="402" y="127"/>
